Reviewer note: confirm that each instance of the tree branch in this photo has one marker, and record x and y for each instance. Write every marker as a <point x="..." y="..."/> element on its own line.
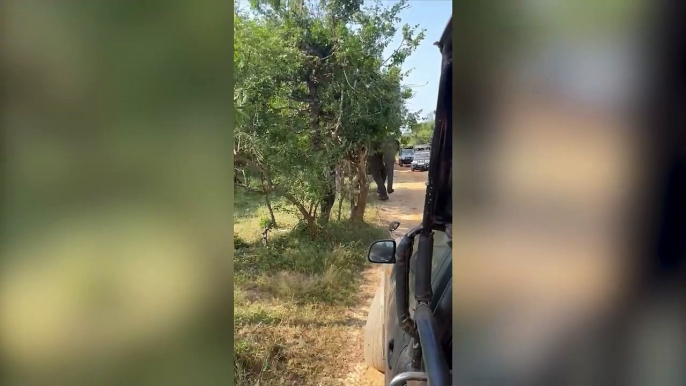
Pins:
<point x="273" y="188"/>
<point x="253" y="190"/>
<point x="240" y="157"/>
<point x="298" y="205"/>
<point x="402" y="43"/>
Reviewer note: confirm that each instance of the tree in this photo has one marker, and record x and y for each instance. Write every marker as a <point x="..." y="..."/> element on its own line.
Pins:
<point x="314" y="91"/>
<point x="420" y="133"/>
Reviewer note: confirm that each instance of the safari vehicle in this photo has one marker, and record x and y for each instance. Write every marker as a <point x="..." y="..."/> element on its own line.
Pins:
<point x="421" y="161"/>
<point x="408" y="335"/>
<point x="406" y="157"/>
<point x="425" y="147"/>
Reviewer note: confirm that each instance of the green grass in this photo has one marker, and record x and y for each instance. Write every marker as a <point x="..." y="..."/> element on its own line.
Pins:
<point x="292" y="297"/>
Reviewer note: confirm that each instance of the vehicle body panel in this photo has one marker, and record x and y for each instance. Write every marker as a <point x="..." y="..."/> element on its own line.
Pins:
<point x="398" y="360"/>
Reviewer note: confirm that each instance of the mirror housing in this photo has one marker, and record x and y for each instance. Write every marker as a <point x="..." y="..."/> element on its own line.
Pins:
<point x="382" y="252"/>
<point x="393" y="225"/>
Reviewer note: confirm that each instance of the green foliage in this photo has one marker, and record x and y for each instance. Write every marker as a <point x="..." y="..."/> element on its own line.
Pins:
<point x="238" y="242"/>
<point x="420" y="133"/>
<point x="265" y="222"/>
<point x="313" y="88"/>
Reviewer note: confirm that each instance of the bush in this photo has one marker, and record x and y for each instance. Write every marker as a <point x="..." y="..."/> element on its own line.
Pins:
<point x="239" y="243"/>
<point x="264" y="222"/>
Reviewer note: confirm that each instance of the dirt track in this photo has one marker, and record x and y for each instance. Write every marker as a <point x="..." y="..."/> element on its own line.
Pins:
<point x="406" y="202"/>
<point x="405" y="205"/>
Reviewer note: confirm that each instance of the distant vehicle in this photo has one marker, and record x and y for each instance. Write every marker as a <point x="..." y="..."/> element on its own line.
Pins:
<point x="406" y="157"/>
<point x="425" y="147"/>
<point x="420" y="161"/>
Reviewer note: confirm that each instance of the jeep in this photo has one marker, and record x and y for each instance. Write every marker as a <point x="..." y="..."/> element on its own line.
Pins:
<point x="408" y="335"/>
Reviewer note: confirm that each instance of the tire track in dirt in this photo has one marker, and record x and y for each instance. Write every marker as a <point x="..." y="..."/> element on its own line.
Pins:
<point x="405" y="205"/>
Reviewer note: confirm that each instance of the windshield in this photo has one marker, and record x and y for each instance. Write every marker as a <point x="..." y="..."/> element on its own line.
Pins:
<point x="422" y="154"/>
<point x="406" y="152"/>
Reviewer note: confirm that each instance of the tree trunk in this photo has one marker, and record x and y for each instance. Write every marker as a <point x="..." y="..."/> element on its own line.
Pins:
<point x="339" y="187"/>
<point x="315" y="110"/>
<point x="309" y="220"/>
<point x="265" y="233"/>
<point x="357" y="212"/>
<point x="326" y="207"/>
<point x="317" y="145"/>
<point x="271" y="211"/>
<point x="340" y="206"/>
<point x="351" y="186"/>
<point x="330" y="196"/>
<point x="269" y="206"/>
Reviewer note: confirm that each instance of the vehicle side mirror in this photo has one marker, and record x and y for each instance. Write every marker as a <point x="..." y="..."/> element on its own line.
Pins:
<point x="393" y="225"/>
<point x="382" y="252"/>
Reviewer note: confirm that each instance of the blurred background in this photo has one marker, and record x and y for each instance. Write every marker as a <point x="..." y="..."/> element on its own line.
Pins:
<point x="569" y="250"/>
<point x="116" y="197"/>
<point x="115" y="264"/>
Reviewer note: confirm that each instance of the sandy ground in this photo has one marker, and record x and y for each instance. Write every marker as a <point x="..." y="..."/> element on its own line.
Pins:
<point x="405" y="205"/>
<point x="406" y="202"/>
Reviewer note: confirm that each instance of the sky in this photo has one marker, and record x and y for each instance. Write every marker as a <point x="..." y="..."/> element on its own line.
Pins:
<point x="425" y="62"/>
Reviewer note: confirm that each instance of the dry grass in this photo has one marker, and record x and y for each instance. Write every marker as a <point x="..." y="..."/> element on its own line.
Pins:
<point x="297" y="301"/>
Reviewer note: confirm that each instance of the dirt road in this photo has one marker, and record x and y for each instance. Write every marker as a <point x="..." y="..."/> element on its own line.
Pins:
<point x="406" y="202"/>
<point x="405" y="205"/>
